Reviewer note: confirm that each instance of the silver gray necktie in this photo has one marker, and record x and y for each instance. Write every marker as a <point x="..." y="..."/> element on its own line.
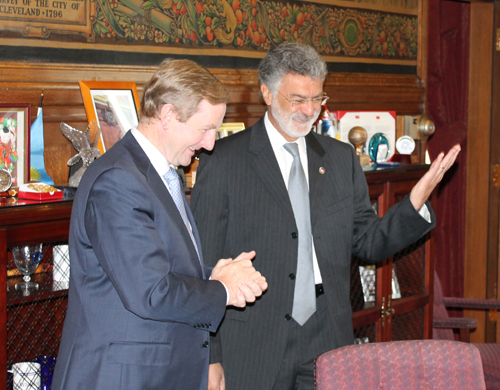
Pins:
<point x="174" y="185"/>
<point x="304" y="300"/>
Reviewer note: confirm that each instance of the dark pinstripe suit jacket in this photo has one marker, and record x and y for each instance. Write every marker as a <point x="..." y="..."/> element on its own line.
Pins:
<point x="241" y="203"/>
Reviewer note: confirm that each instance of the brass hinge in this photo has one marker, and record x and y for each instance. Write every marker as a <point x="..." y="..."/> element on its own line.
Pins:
<point x="386" y="313"/>
<point x="496" y="175"/>
<point x="497" y="41"/>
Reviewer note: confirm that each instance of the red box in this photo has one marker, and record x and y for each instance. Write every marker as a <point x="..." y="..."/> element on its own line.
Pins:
<point x="40" y="195"/>
<point x="27" y="193"/>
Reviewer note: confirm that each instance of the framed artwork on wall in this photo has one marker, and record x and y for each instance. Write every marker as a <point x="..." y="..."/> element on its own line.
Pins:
<point x="14" y="141"/>
<point x="114" y="106"/>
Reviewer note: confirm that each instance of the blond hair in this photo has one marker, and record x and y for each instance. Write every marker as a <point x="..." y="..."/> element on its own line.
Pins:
<point x="184" y="84"/>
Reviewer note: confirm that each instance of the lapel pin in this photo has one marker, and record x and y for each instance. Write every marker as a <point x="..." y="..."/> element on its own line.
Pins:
<point x="322" y="170"/>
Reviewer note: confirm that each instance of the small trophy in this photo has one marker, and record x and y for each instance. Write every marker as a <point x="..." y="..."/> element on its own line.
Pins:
<point x="85" y="143"/>
<point x="358" y="136"/>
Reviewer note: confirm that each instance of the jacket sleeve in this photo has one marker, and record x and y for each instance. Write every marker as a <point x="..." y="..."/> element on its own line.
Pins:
<point x="122" y="228"/>
<point x="374" y="238"/>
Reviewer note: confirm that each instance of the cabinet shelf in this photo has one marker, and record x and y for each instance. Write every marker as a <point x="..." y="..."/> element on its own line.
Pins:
<point x="47" y="290"/>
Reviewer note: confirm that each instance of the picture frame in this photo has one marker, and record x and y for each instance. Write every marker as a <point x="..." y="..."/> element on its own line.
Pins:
<point x="114" y="106"/>
<point x="368" y="276"/>
<point x="15" y="140"/>
<point x="229" y="128"/>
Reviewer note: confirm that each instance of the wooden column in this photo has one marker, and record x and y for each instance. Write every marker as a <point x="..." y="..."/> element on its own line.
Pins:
<point x="478" y="158"/>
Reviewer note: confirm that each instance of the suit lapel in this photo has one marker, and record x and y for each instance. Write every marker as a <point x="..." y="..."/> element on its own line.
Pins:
<point x="266" y="165"/>
<point x="316" y="169"/>
<point x="158" y="186"/>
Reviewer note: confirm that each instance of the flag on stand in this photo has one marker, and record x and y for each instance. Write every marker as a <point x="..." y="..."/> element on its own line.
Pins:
<point x="37" y="162"/>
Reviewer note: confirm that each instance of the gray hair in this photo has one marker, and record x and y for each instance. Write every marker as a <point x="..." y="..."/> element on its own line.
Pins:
<point x="290" y="58"/>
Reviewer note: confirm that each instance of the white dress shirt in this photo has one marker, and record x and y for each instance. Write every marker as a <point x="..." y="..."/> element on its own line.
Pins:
<point x="285" y="161"/>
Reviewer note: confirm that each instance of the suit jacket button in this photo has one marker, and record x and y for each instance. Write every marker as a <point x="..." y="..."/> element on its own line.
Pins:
<point x="288" y="317"/>
<point x="291" y="276"/>
<point x="205" y="344"/>
<point x="295" y="235"/>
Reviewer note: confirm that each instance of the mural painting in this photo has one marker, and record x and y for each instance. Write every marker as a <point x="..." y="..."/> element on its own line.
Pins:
<point x="384" y="31"/>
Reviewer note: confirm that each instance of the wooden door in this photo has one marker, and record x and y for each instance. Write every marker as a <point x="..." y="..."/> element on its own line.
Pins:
<point x="492" y="330"/>
<point x="482" y="241"/>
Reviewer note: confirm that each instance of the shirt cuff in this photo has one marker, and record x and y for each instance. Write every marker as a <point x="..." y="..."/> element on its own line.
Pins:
<point x="424" y="213"/>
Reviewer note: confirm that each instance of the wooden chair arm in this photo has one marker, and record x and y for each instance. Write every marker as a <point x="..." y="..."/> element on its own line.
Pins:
<point x="465" y="325"/>
<point x="471" y="303"/>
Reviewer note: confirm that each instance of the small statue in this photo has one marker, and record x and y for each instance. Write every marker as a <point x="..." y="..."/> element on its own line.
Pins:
<point x="358" y="136"/>
<point x="86" y="145"/>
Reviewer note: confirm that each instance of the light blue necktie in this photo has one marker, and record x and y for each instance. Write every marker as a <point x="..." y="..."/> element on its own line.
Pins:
<point x="174" y="185"/>
<point x="304" y="300"/>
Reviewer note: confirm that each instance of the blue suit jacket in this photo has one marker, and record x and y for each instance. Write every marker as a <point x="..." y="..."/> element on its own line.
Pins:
<point x="140" y="308"/>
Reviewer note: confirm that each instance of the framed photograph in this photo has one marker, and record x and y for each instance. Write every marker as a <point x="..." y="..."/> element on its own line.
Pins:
<point x="114" y="106"/>
<point x="14" y="141"/>
<point x="368" y="275"/>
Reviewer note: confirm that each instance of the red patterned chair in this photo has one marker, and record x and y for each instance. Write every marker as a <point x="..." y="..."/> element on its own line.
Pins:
<point x="397" y="365"/>
<point x="443" y="326"/>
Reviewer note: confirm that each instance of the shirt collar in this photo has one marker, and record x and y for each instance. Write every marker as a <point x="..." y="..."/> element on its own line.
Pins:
<point x="157" y="159"/>
<point x="277" y="140"/>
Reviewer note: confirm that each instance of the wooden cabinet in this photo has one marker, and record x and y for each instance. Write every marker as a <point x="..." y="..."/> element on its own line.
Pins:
<point x="31" y="325"/>
<point x="399" y="304"/>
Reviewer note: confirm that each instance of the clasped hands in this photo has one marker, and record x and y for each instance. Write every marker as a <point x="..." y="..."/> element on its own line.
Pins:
<point x="243" y="281"/>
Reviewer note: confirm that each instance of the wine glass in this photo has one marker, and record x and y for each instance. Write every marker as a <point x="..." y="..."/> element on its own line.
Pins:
<point x="27" y="259"/>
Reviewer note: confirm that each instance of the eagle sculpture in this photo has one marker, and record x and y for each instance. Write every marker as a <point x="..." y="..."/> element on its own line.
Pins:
<point x="85" y="143"/>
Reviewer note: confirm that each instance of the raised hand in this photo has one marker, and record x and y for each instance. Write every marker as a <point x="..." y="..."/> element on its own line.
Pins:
<point x="423" y="189"/>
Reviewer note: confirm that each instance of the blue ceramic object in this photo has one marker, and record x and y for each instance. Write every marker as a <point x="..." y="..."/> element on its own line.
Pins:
<point x="375" y="142"/>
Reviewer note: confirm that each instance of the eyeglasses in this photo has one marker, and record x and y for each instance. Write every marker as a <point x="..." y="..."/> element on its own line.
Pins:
<point x="317" y="101"/>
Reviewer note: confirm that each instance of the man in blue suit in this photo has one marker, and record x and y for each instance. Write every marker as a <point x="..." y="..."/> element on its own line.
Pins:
<point x="141" y="302"/>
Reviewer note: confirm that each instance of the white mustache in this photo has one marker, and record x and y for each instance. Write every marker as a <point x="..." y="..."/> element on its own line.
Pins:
<point x="303" y="118"/>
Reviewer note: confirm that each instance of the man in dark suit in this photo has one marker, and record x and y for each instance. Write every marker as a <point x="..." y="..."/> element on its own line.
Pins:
<point x="246" y="197"/>
<point x="140" y="303"/>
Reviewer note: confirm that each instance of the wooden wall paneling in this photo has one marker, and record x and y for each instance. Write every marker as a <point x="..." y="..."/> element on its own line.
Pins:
<point x="423" y="40"/>
<point x="23" y="82"/>
<point x="405" y="101"/>
<point x="492" y="328"/>
<point x="353" y="91"/>
<point x="478" y="158"/>
<point x="52" y="72"/>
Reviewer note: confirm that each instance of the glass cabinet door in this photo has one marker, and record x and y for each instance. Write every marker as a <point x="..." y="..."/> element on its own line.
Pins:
<point x="391" y="301"/>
